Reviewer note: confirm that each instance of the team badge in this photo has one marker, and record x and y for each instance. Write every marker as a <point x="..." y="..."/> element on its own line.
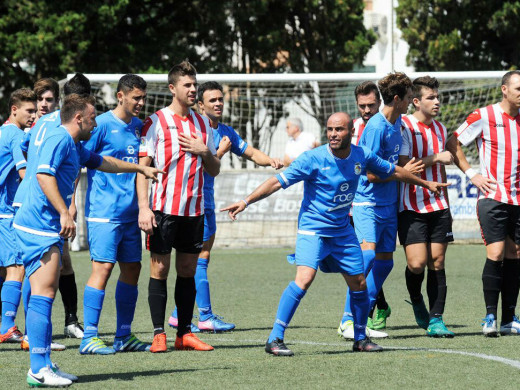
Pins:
<point x="357" y="168"/>
<point x="137" y="133"/>
<point x="143" y="141"/>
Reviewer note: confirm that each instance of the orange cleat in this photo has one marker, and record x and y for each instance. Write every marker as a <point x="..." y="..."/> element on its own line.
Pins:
<point x="159" y="343"/>
<point x="190" y="342"/>
<point x="13" y="335"/>
<point x="24" y="345"/>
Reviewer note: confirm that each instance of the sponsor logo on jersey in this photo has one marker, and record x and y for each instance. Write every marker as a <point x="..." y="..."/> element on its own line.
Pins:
<point x="130" y="149"/>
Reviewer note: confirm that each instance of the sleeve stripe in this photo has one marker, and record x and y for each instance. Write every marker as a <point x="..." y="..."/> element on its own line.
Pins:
<point x="46" y="166"/>
<point x="21" y="162"/>
<point x="284" y="178"/>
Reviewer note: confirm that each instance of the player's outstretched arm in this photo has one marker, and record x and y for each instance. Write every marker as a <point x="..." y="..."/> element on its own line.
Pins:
<point x="265" y="189"/>
<point x="114" y="165"/>
<point x="406" y="176"/>
<point x="262" y="159"/>
<point x="49" y="186"/>
<point x="195" y="145"/>
<point x="411" y="165"/>
<point x="146" y="216"/>
<point x="459" y="158"/>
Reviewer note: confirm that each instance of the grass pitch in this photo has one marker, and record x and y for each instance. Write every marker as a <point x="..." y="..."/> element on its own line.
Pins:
<point x="246" y="286"/>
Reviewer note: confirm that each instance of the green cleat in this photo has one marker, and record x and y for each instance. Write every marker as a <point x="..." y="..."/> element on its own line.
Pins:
<point x="422" y="317"/>
<point x="381" y="316"/>
<point x="370" y="323"/>
<point x="437" y="328"/>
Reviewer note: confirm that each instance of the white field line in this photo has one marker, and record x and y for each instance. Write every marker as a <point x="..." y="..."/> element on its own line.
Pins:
<point x="499" y="359"/>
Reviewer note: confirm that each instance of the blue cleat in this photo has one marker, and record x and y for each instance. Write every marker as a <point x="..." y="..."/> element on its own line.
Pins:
<point x="95" y="346"/>
<point x="130" y="343"/>
<point x="215" y="324"/>
<point x="173" y="322"/>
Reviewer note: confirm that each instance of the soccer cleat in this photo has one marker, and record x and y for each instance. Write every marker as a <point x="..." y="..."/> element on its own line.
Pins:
<point x="46" y="377"/>
<point x="366" y="345"/>
<point x="190" y="342"/>
<point x="130" y="343"/>
<point x="173" y="322"/>
<point x="95" y="346"/>
<point x="489" y="326"/>
<point x="278" y="348"/>
<point x="422" y="317"/>
<point x="370" y="323"/>
<point x="24" y="345"/>
<point x="346" y="330"/>
<point x="159" y="343"/>
<point x="437" y="328"/>
<point x="13" y="335"/>
<point x="215" y="324"/>
<point x="381" y="316"/>
<point x="74" y="330"/>
<point x="512" y="327"/>
<point x="66" y="375"/>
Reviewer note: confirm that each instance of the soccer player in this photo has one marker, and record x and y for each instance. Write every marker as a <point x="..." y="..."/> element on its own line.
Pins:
<point x="211" y="103"/>
<point x="325" y="237"/>
<point x="496" y="130"/>
<point x="44" y="220"/>
<point x="111" y="212"/>
<point x="45" y="126"/>
<point x="179" y="141"/>
<point x="375" y="205"/>
<point x="424" y="221"/>
<point x="299" y="141"/>
<point x="47" y="92"/>
<point x="22" y="106"/>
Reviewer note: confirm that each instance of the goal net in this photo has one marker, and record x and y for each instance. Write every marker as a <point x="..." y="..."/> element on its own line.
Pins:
<point x="257" y="107"/>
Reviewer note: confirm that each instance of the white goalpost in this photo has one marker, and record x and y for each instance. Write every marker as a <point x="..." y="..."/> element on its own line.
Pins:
<point x="257" y="106"/>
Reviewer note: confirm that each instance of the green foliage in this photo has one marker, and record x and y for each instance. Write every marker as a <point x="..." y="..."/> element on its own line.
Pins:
<point x="447" y="35"/>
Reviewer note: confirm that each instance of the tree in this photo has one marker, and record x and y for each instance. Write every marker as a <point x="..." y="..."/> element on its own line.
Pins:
<point x="460" y="35"/>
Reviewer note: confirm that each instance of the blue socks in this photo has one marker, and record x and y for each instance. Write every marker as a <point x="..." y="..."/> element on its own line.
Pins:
<point x="203" y="298"/>
<point x="377" y="277"/>
<point x="92" y="305"/>
<point x="126" y="299"/>
<point x="289" y="302"/>
<point x="360" y="309"/>
<point x="39" y="330"/>
<point x="368" y="262"/>
<point x="11" y="294"/>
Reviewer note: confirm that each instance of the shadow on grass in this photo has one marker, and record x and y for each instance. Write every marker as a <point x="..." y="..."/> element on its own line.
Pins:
<point x="403" y="327"/>
<point x="238" y="346"/>
<point x="128" y="376"/>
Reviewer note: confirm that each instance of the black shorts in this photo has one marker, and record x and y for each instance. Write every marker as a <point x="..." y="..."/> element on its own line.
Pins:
<point x="185" y="234"/>
<point x="414" y="228"/>
<point x="498" y="220"/>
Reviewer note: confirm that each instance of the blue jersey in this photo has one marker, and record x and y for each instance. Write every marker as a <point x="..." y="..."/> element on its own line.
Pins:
<point x="112" y="197"/>
<point x="11" y="160"/>
<point x="238" y="147"/>
<point x="30" y="144"/>
<point x="383" y="139"/>
<point x="60" y="157"/>
<point x="330" y="184"/>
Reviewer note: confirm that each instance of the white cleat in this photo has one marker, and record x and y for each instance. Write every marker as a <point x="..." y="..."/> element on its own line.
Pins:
<point x="46" y="377"/>
<point x="73" y="330"/>
<point x="489" y="326"/>
<point x="346" y="330"/>
<point x="512" y="327"/>
<point x="57" y="371"/>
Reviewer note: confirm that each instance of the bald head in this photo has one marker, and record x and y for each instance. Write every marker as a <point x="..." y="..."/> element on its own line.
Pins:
<point x="341" y="118"/>
<point x="339" y="133"/>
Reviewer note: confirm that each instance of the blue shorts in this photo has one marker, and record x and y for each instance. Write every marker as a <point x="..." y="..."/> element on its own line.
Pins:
<point x="9" y="252"/>
<point x="331" y="254"/>
<point x="210" y="224"/>
<point x="112" y="242"/>
<point x="377" y="224"/>
<point x="32" y="247"/>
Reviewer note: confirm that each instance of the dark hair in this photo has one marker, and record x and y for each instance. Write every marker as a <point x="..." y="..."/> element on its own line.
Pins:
<point x="508" y="75"/>
<point x="78" y="84"/>
<point x="130" y="81"/>
<point x="366" y="88"/>
<point x="208" y="86"/>
<point x="47" y="84"/>
<point x="21" y="95"/>
<point x="179" y="70"/>
<point x="424" y="82"/>
<point x="73" y="104"/>
<point x="396" y="83"/>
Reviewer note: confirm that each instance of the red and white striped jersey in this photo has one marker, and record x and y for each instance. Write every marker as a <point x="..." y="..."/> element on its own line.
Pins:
<point x="419" y="141"/>
<point x="359" y="126"/>
<point x="180" y="190"/>
<point x="497" y="135"/>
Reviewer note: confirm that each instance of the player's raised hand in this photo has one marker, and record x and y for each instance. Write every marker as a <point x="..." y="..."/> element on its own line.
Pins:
<point x="445" y="158"/>
<point x="483" y="183"/>
<point x="147" y="220"/>
<point x="276" y="163"/>
<point x="68" y="227"/>
<point x="224" y="146"/>
<point x="234" y="209"/>
<point x="151" y="172"/>
<point x="192" y="144"/>
<point x="436" y="187"/>
<point x="414" y="167"/>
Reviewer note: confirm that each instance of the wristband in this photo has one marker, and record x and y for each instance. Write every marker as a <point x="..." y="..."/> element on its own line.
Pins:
<point x="470" y="173"/>
<point x="245" y="201"/>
